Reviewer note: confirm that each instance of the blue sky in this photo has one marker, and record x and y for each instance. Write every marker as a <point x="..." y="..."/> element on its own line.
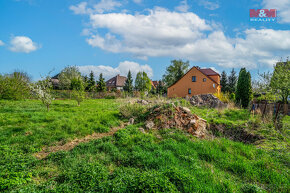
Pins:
<point x="111" y="36"/>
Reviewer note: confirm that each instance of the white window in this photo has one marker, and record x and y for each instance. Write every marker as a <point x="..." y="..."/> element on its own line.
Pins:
<point x="213" y="85"/>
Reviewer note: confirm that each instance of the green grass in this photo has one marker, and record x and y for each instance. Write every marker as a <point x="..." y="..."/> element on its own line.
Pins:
<point x="131" y="161"/>
<point x="27" y="125"/>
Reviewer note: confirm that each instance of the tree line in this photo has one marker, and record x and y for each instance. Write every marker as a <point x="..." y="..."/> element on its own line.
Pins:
<point x="18" y="85"/>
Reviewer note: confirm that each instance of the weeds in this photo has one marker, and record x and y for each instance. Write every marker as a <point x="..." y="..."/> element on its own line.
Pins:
<point x="165" y="160"/>
<point x="132" y="161"/>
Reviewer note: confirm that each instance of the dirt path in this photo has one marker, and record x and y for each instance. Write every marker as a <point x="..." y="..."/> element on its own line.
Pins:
<point x="70" y="145"/>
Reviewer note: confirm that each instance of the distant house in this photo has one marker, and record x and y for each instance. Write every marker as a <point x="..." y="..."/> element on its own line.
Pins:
<point x="152" y="85"/>
<point x="196" y="81"/>
<point x="55" y="81"/>
<point x="155" y="83"/>
<point x="117" y="82"/>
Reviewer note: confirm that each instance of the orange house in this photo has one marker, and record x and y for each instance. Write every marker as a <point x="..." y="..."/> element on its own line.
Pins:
<point x="196" y="81"/>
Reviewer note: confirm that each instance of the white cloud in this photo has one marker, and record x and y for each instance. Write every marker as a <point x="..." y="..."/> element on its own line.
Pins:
<point x="1" y="43"/>
<point x="282" y="6"/>
<point x="122" y="69"/>
<point x="258" y="48"/>
<point x="185" y="35"/>
<point x="101" y="7"/>
<point x="209" y="5"/>
<point x="22" y="44"/>
<point x="81" y="8"/>
<point x="137" y="1"/>
<point x="146" y="35"/>
<point x="183" y="7"/>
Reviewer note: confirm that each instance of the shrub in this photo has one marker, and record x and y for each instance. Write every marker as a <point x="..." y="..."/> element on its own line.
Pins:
<point x="110" y="97"/>
<point x="136" y="94"/>
<point x="224" y="97"/>
<point x="14" y="86"/>
<point x="233" y="96"/>
<point x="78" y="92"/>
<point x="133" y="110"/>
<point x="79" y="96"/>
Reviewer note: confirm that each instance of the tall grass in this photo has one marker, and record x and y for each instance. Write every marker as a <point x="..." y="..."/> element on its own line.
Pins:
<point x="131" y="161"/>
<point x="135" y="162"/>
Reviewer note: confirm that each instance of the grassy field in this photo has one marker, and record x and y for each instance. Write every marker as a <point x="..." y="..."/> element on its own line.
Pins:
<point x="132" y="161"/>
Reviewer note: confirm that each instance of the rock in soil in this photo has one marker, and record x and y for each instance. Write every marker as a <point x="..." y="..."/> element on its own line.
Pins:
<point x="131" y="121"/>
<point x="142" y="130"/>
<point x="143" y="102"/>
<point x="149" y="124"/>
<point x="185" y="109"/>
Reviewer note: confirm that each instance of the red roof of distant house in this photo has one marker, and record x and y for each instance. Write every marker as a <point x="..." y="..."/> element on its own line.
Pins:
<point x="152" y="84"/>
<point x="155" y="83"/>
<point x="209" y="72"/>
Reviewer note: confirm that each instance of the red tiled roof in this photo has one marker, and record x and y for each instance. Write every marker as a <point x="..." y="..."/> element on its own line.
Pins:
<point x="155" y="83"/>
<point x="208" y="72"/>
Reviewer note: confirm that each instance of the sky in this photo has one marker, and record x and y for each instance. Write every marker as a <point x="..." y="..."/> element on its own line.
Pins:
<point x="111" y="37"/>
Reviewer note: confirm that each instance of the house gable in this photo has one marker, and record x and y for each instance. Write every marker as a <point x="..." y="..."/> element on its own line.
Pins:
<point x="186" y="87"/>
<point x="116" y="82"/>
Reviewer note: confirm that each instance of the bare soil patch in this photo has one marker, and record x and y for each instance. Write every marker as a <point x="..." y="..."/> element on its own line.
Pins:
<point x="234" y="133"/>
<point x="70" y="145"/>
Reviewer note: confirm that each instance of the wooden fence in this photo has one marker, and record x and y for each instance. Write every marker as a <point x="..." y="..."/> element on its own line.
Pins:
<point x="270" y="108"/>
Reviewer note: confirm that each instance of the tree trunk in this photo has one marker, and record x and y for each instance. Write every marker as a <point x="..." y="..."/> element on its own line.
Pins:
<point x="285" y="108"/>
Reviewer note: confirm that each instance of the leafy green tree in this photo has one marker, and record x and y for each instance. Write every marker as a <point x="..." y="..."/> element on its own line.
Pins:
<point x="86" y="82"/>
<point x="232" y="81"/>
<point x="129" y="83"/>
<point x="142" y="82"/>
<point x="280" y="81"/>
<point x="224" y="82"/>
<point x="15" y="86"/>
<point x="77" y="84"/>
<point x="78" y="92"/>
<point x="101" y="85"/>
<point x="244" y="88"/>
<point x="91" y="82"/>
<point x="263" y="83"/>
<point x="67" y="75"/>
<point x="175" y="71"/>
<point x="160" y="89"/>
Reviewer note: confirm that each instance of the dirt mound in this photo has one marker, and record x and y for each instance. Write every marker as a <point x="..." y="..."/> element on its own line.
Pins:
<point x="206" y="100"/>
<point x="234" y="133"/>
<point x="170" y="116"/>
